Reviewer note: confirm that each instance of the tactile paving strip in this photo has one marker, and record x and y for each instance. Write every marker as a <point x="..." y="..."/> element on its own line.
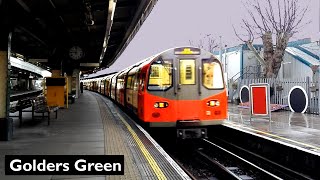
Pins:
<point x="115" y="143"/>
<point x="140" y="162"/>
<point x="165" y="166"/>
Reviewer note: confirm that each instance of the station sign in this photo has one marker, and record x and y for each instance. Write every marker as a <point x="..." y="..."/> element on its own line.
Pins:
<point x="260" y="100"/>
<point x="38" y="60"/>
<point x="89" y="64"/>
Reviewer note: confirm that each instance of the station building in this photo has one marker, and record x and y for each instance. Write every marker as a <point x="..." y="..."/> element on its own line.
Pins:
<point x="299" y="57"/>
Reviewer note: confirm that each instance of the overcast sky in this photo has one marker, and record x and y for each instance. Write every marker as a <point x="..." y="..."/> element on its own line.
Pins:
<point x="174" y="22"/>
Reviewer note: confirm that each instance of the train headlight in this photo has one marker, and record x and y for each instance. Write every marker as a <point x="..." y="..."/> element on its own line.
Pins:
<point x="213" y="103"/>
<point x="161" y="105"/>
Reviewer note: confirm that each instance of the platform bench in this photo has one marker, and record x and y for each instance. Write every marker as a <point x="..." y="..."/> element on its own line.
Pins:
<point x="40" y="106"/>
<point x="19" y="107"/>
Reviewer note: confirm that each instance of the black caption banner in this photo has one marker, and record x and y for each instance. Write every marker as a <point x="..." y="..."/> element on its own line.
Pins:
<point x="64" y="164"/>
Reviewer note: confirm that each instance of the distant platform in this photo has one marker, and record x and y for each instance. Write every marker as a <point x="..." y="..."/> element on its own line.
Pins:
<point x="15" y="96"/>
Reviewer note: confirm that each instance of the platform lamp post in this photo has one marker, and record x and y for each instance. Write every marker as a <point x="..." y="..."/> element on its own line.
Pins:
<point x="224" y="68"/>
<point x="225" y="59"/>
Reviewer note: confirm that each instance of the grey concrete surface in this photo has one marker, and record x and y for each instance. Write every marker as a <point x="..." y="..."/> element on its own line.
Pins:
<point x="77" y="131"/>
<point x="302" y="130"/>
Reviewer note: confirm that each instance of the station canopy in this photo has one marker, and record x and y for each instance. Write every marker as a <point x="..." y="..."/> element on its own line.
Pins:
<point x="74" y="34"/>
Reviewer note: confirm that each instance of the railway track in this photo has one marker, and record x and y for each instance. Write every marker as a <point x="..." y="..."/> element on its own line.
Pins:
<point x="229" y="165"/>
<point x="205" y="159"/>
<point x="202" y="159"/>
<point x="238" y="163"/>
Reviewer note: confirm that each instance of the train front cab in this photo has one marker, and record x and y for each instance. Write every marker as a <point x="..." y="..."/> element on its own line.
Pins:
<point x="185" y="91"/>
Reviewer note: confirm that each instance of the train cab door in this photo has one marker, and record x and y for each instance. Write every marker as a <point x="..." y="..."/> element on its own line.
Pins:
<point x="141" y="93"/>
<point x="187" y="89"/>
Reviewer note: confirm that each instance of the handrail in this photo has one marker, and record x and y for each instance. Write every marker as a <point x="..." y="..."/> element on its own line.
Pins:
<point x="200" y="78"/>
<point x="239" y="72"/>
<point x="245" y="71"/>
<point x="174" y="80"/>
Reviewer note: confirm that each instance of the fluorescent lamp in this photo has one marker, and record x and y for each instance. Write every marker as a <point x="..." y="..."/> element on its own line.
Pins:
<point x="113" y="10"/>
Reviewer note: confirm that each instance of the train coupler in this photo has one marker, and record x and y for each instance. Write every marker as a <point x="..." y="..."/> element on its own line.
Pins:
<point x="192" y="133"/>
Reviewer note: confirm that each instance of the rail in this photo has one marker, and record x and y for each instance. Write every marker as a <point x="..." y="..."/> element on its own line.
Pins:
<point x="231" y="164"/>
<point x="261" y="166"/>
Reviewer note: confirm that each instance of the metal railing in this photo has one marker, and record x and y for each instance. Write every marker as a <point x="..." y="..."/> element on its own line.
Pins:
<point x="280" y="88"/>
<point x="247" y="72"/>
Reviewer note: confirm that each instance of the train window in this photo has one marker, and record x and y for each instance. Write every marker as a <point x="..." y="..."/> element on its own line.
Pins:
<point x="212" y="74"/>
<point x="187" y="71"/>
<point x="120" y="83"/>
<point x="132" y="82"/>
<point x="141" y="81"/>
<point x="135" y="82"/>
<point x="154" y="72"/>
<point x="129" y="82"/>
<point x="160" y="75"/>
<point x="141" y="84"/>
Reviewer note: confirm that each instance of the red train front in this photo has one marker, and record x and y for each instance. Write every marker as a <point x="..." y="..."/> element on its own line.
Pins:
<point x="181" y="87"/>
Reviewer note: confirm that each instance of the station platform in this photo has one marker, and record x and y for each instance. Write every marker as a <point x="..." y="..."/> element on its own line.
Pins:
<point x="301" y="131"/>
<point x="93" y="125"/>
<point x="16" y="95"/>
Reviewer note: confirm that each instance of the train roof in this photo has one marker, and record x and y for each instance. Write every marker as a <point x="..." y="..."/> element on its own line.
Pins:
<point x="147" y="60"/>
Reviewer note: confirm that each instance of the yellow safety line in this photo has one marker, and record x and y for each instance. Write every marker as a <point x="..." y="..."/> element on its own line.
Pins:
<point x="279" y="137"/>
<point x="156" y="169"/>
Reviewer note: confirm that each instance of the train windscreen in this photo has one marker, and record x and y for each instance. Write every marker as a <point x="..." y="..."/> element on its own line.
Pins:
<point x="212" y="74"/>
<point x="160" y="76"/>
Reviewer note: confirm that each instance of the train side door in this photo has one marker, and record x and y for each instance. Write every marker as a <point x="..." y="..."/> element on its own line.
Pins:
<point x="141" y="93"/>
<point x="135" y="92"/>
<point x="187" y="90"/>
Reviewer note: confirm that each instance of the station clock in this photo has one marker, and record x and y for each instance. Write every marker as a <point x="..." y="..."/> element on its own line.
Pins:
<point x="76" y="53"/>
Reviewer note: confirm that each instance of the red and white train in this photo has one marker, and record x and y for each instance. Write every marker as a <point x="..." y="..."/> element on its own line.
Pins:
<point x="181" y="87"/>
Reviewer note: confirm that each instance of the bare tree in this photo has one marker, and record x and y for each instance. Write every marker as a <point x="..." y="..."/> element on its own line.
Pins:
<point x="207" y="42"/>
<point x="280" y="19"/>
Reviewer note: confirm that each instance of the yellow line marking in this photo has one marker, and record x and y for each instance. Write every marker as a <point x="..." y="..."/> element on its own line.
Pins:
<point x="279" y="137"/>
<point x="156" y="169"/>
